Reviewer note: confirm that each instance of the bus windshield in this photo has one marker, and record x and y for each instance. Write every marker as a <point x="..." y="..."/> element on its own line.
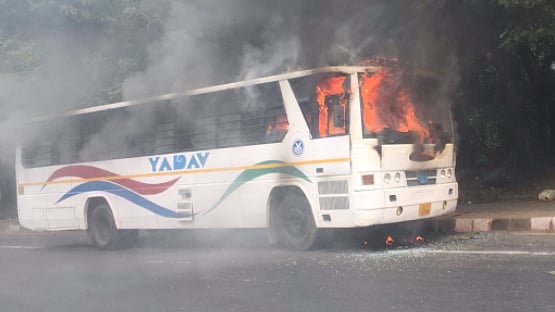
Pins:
<point x="401" y="110"/>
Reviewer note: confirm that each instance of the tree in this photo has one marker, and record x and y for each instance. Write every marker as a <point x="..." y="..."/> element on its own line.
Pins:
<point x="504" y="104"/>
<point x="66" y="54"/>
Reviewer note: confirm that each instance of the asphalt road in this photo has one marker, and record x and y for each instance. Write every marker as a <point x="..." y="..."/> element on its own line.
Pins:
<point x="172" y="272"/>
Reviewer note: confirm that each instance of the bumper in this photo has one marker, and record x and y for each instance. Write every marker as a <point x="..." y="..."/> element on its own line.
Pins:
<point x="404" y="204"/>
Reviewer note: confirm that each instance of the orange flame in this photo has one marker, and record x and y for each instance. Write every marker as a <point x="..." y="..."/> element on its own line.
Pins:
<point x="330" y="86"/>
<point x="380" y="61"/>
<point x="279" y="124"/>
<point x="389" y="241"/>
<point x="419" y="238"/>
<point x="387" y="105"/>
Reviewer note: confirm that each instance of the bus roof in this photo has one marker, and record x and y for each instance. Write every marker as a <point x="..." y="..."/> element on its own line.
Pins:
<point x="227" y="86"/>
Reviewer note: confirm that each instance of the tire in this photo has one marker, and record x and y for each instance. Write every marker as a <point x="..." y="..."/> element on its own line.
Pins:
<point x="103" y="232"/>
<point x="295" y="227"/>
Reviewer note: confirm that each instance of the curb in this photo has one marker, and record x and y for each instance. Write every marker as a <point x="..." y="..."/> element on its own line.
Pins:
<point x="9" y="226"/>
<point x="447" y="226"/>
<point x="469" y="225"/>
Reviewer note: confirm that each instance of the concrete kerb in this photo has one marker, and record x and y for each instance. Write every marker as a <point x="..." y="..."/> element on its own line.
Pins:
<point x="542" y="224"/>
<point x="447" y="226"/>
<point x="9" y="226"/>
<point x="469" y="225"/>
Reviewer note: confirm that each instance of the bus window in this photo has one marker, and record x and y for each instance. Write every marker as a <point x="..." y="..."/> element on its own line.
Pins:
<point x="264" y="118"/>
<point x="242" y="116"/>
<point x="49" y="144"/>
<point x="277" y="126"/>
<point x="65" y="146"/>
<point x="324" y="102"/>
<point x="229" y="131"/>
<point x="184" y="124"/>
<point x="165" y="138"/>
<point x="204" y="135"/>
<point x="332" y="99"/>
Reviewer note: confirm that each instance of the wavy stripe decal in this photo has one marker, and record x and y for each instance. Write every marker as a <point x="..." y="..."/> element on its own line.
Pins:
<point x="105" y="186"/>
<point x="251" y="174"/>
<point x="89" y="172"/>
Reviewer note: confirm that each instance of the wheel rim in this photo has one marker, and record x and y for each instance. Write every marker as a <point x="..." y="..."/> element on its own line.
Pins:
<point x="296" y="223"/>
<point x="103" y="230"/>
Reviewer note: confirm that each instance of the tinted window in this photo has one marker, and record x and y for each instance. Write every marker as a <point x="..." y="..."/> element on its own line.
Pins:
<point x="242" y="116"/>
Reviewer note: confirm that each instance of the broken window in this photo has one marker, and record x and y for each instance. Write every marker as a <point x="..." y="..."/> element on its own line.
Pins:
<point x="324" y="100"/>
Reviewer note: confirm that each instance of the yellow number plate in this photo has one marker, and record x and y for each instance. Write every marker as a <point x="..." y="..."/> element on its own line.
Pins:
<point x="425" y="209"/>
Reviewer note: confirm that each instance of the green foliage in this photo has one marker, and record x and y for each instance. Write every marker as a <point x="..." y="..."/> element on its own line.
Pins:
<point x="532" y="22"/>
<point x="17" y="56"/>
<point x="110" y="36"/>
<point x="505" y="103"/>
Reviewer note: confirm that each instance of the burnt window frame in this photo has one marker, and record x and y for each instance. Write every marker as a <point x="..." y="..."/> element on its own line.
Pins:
<point x="304" y="89"/>
<point x="444" y="133"/>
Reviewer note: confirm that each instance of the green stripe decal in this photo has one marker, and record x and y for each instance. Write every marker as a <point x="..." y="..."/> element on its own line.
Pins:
<point x="276" y="166"/>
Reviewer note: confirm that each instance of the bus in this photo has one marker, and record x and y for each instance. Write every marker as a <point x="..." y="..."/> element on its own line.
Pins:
<point x="295" y="153"/>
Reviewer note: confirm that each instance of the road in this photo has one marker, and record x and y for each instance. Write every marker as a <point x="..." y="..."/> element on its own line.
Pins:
<point x="172" y="272"/>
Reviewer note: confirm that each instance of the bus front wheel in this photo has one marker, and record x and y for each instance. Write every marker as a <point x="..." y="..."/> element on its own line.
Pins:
<point x="296" y="229"/>
<point x="103" y="232"/>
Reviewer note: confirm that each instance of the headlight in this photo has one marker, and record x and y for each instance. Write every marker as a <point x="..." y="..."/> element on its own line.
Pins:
<point x="449" y="173"/>
<point x="442" y="174"/>
<point x="387" y="178"/>
<point x="397" y="177"/>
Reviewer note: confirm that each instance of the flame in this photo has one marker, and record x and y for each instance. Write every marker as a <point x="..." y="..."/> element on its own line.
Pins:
<point x="419" y="238"/>
<point x="330" y="86"/>
<point x="381" y="61"/>
<point x="279" y="124"/>
<point x="389" y="241"/>
<point x="387" y="104"/>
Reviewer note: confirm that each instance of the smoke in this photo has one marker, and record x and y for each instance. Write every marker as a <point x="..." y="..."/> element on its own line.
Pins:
<point x="60" y="83"/>
<point x="180" y="55"/>
<point x="119" y="130"/>
<point x="208" y="42"/>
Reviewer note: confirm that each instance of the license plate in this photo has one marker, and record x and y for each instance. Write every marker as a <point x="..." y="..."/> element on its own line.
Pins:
<point x="425" y="209"/>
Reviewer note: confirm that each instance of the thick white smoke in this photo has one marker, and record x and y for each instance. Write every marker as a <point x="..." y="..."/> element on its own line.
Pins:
<point x="208" y="42"/>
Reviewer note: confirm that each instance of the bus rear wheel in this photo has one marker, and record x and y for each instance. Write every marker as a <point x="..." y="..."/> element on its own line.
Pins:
<point x="103" y="232"/>
<point x="295" y="227"/>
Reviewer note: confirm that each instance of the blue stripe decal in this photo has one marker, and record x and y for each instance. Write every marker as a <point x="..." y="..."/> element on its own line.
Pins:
<point x="122" y="192"/>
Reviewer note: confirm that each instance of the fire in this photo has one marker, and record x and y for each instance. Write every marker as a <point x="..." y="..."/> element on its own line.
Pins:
<point x="381" y="61"/>
<point x="278" y="124"/>
<point x="330" y="86"/>
<point x="419" y="238"/>
<point x="388" y="105"/>
<point x="389" y="241"/>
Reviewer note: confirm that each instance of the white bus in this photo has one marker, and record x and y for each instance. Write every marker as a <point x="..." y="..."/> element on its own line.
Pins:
<point x="334" y="147"/>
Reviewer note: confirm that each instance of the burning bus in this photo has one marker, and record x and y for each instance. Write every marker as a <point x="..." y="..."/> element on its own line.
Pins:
<point x="334" y="147"/>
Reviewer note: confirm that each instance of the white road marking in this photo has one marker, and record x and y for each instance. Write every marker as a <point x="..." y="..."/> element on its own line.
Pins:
<point x="160" y="261"/>
<point x="494" y="252"/>
<point x="19" y="247"/>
